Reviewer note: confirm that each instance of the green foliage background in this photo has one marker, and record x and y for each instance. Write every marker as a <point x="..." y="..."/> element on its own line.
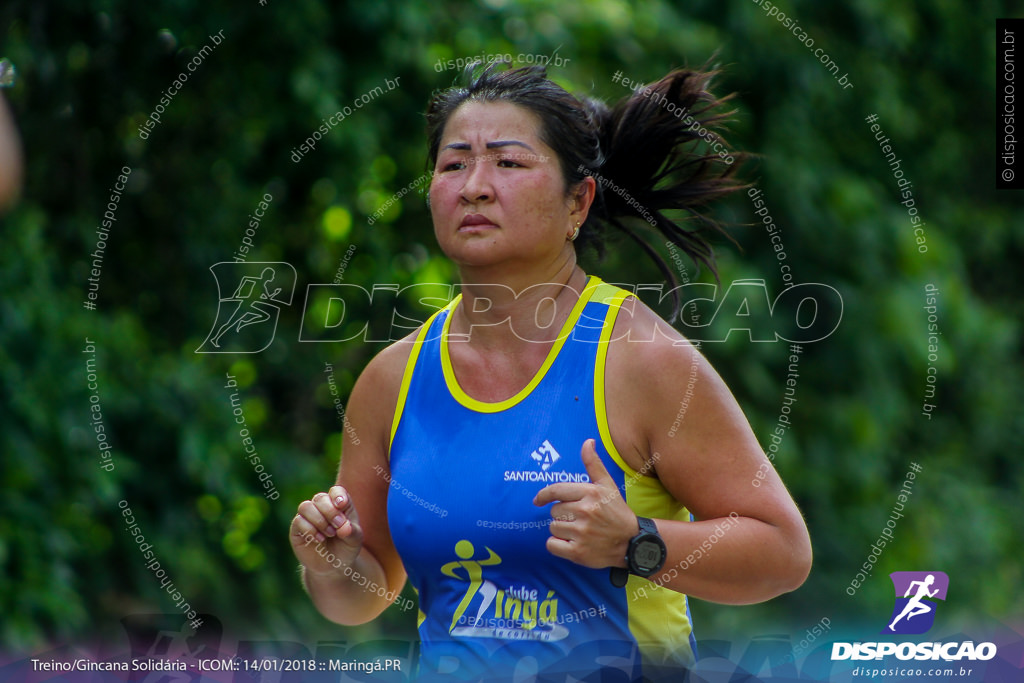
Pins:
<point x="89" y="74"/>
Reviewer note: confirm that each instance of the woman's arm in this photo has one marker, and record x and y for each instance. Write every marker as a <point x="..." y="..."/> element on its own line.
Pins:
<point x="341" y="536"/>
<point x="749" y="542"/>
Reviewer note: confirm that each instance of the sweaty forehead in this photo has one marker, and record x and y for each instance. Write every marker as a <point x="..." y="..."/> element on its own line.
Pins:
<point x="478" y="123"/>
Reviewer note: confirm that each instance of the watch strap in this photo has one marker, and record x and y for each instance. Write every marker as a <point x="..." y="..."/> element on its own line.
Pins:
<point x="618" y="576"/>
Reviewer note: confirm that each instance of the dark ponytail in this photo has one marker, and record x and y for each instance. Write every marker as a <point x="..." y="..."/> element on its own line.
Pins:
<point x="658" y="149"/>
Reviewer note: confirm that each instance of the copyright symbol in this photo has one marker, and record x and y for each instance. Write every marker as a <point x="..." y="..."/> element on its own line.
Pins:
<point x="1007" y="174"/>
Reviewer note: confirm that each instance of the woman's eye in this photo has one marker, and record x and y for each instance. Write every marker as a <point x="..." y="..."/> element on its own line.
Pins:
<point x="508" y="163"/>
<point x="453" y="166"/>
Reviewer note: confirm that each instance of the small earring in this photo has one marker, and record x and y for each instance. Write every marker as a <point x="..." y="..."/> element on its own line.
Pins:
<point x="575" y="232"/>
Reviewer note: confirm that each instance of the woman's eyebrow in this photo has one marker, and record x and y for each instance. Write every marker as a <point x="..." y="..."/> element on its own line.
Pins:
<point x="505" y="143"/>
<point x="490" y="145"/>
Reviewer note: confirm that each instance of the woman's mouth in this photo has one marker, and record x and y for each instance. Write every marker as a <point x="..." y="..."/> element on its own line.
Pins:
<point x="475" y="222"/>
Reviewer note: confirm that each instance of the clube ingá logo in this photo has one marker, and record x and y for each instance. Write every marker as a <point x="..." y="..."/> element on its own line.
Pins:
<point x="916" y="593"/>
<point x="916" y="596"/>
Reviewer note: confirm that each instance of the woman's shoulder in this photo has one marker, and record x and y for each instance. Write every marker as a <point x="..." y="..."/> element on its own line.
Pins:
<point x="648" y="357"/>
<point x="374" y="397"/>
<point x="648" y="367"/>
<point x="645" y="333"/>
<point x="386" y="369"/>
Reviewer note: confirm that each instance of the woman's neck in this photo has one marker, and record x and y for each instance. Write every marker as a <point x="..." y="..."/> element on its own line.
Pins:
<point x="534" y="306"/>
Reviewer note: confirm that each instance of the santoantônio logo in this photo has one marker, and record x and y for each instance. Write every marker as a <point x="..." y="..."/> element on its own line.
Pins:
<point x="914" y="613"/>
<point x="545" y="456"/>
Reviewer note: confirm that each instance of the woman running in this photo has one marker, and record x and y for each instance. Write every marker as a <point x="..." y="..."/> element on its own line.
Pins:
<point x="551" y="464"/>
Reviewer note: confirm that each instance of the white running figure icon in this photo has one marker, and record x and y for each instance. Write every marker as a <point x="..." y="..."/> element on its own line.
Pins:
<point x="250" y="308"/>
<point x="915" y="606"/>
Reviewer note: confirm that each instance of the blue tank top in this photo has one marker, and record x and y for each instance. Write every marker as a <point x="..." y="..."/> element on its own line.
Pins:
<point x="493" y="601"/>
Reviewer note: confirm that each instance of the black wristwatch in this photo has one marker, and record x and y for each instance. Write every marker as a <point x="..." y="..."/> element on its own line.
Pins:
<point x="644" y="557"/>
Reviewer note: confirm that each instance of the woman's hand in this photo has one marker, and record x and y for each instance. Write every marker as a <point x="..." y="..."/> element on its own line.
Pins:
<point x="325" y="533"/>
<point x="592" y="525"/>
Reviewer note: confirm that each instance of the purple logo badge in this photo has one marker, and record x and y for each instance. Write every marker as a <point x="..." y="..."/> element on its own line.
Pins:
<point x="916" y="592"/>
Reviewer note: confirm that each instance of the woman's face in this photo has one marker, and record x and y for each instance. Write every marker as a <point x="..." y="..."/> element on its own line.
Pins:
<point x="497" y="195"/>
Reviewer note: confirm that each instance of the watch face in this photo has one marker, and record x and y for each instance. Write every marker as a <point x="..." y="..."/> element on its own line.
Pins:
<point x="647" y="555"/>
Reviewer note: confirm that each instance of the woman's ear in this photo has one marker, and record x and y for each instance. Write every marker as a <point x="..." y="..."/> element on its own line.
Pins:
<point x="582" y="199"/>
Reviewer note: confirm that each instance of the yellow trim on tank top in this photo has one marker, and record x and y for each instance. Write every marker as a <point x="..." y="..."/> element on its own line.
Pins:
<point x="657" y="616"/>
<point x="468" y="401"/>
<point x="410" y="365"/>
<point x="614" y="301"/>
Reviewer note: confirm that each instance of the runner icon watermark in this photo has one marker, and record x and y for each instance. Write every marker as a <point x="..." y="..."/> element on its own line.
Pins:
<point x="247" y="319"/>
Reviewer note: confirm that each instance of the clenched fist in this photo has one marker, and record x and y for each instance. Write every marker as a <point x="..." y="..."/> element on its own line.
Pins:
<point x="325" y="534"/>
